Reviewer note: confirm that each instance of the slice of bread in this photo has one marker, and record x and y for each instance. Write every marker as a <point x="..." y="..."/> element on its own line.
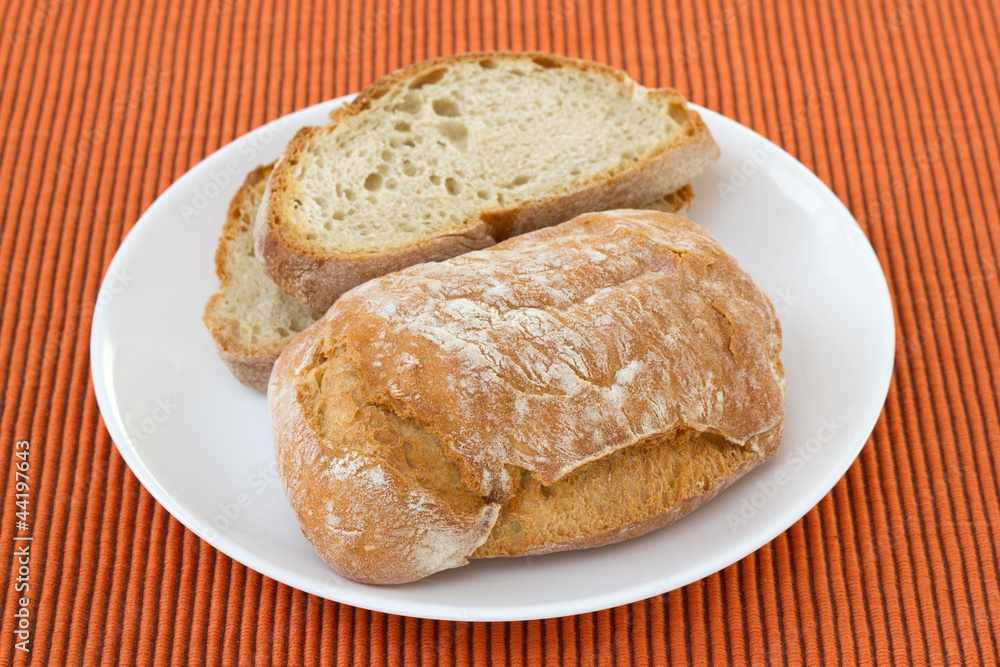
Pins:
<point x="459" y="153"/>
<point x="250" y="318"/>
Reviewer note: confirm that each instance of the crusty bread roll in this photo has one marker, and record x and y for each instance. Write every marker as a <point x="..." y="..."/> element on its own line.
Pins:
<point x="567" y="388"/>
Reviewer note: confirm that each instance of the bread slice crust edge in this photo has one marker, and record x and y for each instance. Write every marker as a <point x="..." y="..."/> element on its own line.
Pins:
<point x="317" y="277"/>
<point x="251" y="363"/>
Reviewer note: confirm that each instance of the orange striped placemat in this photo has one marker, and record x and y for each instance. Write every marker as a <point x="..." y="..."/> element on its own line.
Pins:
<point x="104" y="103"/>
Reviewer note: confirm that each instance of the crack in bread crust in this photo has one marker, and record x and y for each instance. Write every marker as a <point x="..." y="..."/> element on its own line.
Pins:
<point x="599" y="503"/>
<point x="523" y="341"/>
<point x="345" y="416"/>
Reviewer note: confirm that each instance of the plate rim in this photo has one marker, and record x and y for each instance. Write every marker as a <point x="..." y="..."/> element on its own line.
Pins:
<point x="869" y="417"/>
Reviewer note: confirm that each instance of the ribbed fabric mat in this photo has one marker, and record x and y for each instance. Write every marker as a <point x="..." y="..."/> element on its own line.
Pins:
<point x="104" y="103"/>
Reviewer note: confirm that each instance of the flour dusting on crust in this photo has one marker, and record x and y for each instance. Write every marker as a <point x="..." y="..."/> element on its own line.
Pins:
<point x="558" y="347"/>
<point x="361" y="516"/>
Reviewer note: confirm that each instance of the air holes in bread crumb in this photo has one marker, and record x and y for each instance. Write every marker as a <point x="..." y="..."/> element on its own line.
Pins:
<point x="431" y="77"/>
<point x="520" y="180"/>
<point x="435" y="179"/>
<point x="546" y="62"/>
<point x="488" y="63"/>
<point x="446" y="107"/>
<point x="408" y="168"/>
<point x="455" y="132"/>
<point x="401" y="126"/>
<point x="452" y="186"/>
<point x="677" y="113"/>
<point x="411" y="103"/>
<point x="373" y="183"/>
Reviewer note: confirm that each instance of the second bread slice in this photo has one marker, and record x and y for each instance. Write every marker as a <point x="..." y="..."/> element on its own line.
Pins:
<point x="250" y="319"/>
<point x="462" y="152"/>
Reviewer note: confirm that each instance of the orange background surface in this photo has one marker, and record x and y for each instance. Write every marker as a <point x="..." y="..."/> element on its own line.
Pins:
<point x="104" y="103"/>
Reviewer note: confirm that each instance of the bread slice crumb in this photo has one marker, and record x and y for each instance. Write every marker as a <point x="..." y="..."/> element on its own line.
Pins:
<point x="250" y="319"/>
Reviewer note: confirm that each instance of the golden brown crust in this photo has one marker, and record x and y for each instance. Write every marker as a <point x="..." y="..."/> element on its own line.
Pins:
<point x="249" y="319"/>
<point x="250" y="364"/>
<point x="318" y="277"/>
<point x="358" y="512"/>
<point x="598" y="380"/>
<point x="694" y="479"/>
<point x="243" y="198"/>
<point x="522" y="324"/>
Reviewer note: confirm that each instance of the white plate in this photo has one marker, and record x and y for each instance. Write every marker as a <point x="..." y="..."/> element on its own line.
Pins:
<point x="200" y="442"/>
